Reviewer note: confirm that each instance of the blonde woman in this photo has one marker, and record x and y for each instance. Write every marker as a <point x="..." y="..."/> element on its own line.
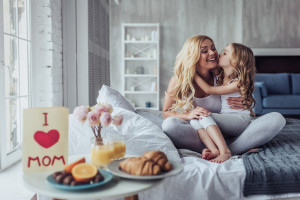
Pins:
<point x="234" y="80"/>
<point x="185" y="101"/>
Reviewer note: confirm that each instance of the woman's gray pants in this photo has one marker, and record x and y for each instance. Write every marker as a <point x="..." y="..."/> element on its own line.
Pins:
<point x="259" y="131"/>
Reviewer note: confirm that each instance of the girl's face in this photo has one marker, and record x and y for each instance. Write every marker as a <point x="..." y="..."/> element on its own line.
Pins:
<point x="225" y="56"/>
<point x="209" y="55"/>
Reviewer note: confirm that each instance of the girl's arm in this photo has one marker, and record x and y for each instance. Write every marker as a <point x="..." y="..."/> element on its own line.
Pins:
<point x="224" y="89"/>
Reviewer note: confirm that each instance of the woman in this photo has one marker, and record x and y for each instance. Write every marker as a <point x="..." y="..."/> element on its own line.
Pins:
<point x="185" y="101"/>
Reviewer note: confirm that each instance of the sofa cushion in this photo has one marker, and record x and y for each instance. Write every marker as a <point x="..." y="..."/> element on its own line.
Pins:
<point x="262" y="87"/>
<point x="295" y="83"/>
<point x="275" y="83"/>
<point x="281" y="101"/>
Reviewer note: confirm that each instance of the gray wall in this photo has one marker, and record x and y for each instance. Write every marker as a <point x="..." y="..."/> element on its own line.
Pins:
<point x="256" y="23"/>
<point x="271" y="23"/>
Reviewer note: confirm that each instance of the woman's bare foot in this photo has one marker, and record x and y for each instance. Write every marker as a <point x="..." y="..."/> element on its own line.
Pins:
<point x="222" y="158"/>
<point x="208" y="155"/>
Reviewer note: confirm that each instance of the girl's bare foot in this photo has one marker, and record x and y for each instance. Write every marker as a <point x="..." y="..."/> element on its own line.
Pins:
<point x="252" y="150"/>
<point x="222" y="158"/>
<point x="208" y="155"/>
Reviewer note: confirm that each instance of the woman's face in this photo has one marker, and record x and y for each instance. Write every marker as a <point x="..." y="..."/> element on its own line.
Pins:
<point x="224" y="57"/>
<point x="209" y="55"/>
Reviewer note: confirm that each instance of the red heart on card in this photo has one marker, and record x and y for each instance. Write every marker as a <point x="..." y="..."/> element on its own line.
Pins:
<point x="46" y="140"/>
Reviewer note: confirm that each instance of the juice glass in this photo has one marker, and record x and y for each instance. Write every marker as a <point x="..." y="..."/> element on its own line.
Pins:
<point x="119" y="149"/>
<point x="102" y="154"/>
<point x="119" y="146"/>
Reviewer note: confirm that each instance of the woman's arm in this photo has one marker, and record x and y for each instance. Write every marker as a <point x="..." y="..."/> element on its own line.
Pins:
<point x="169" y="101"/>
<point x="224" y="89"/>
<point x="235" y="102"/>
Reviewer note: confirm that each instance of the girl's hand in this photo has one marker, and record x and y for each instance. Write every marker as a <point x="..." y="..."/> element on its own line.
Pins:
<point x="235" y="102"/>
<point x="197" y="113"/>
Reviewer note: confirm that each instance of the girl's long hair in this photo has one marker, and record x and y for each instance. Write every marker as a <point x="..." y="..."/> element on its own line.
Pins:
<point x="243" y="60"/>
<point x="185" y="67"/>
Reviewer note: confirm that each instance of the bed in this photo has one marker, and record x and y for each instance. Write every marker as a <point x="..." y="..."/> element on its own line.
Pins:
<point x="200" y="179"/>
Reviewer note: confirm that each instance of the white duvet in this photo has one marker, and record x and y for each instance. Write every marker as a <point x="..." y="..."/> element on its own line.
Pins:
<point x="200" y="179"/>
<point x="203" y="180"/>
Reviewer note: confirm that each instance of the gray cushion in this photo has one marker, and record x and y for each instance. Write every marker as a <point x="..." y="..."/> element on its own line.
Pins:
<point x="154" y="116"/>
<point x="281" y="101"/>
<point x="275" y="83"/>
<point x="295" y="83"/>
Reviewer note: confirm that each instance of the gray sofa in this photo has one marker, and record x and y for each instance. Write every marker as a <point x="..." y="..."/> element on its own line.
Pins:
<point x="277" y="93"/>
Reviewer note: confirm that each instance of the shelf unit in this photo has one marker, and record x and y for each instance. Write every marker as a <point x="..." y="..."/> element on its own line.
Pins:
<point x="140" y="64"/>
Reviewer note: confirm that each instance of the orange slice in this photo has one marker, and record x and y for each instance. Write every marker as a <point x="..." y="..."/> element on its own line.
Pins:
<point x="84" y="172"/>
<point x="69" y="167"/>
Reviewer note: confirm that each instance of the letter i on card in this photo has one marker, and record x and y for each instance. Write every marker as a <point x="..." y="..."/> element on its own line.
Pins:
<point x="45" y="139"/>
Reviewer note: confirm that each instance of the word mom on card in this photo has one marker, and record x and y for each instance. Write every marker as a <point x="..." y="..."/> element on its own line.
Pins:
<point x="45" y="139"/>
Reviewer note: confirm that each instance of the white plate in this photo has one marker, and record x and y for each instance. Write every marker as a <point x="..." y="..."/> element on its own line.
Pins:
<point x="114" y="169"/>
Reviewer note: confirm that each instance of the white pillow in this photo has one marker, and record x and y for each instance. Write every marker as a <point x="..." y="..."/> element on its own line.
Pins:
<point x="141" y="135"/>
<point x="109" y="95"/>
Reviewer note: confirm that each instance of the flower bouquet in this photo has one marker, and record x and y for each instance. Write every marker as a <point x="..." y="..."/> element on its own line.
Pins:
<point x="100" y="116"/>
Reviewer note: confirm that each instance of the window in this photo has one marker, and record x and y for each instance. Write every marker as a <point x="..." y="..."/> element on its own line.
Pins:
<point x="15" y="76"/>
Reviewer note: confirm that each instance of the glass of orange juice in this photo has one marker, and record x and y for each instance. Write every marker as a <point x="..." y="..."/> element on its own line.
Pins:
<point x="102" y="153"/>
<point x="119" y="146"/>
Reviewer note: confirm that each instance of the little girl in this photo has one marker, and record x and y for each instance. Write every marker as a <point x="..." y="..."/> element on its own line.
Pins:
<point x="235" y="79"/>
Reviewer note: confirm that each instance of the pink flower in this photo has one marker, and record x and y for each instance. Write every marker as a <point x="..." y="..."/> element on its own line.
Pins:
<point x="105" y="119"/>
<point x="93" y="118"/>
<point x="99" y="108"/>
<point x="109" y="108"/>
<point x="118" y="119"/>
<point x="81" y="112"/>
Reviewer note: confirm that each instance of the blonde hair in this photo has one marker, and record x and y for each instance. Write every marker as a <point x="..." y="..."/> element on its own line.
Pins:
<point x="243" y="61"/>
<point x="185" y="67"/>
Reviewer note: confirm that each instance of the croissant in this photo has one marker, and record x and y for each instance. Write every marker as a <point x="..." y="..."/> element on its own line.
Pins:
<point x="139" y="166"/>
<point x="159" y="158"/>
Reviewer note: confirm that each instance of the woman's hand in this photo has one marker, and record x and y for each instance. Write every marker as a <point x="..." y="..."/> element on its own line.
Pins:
<point x="235" y="102"/>
<point x="197" y="113"/>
